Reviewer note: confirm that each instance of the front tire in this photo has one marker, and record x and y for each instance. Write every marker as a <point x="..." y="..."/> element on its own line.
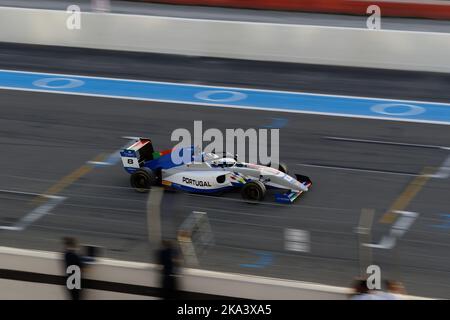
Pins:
<point x="143" y="179"/>
<point x="253" y="191"/>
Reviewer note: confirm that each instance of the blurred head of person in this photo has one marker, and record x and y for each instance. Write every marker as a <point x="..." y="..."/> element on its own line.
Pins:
<point x="394" y="286"/>
<point x="69" y="243"/>
<point x="360" y="286"/>
<point x="167" y="244"/>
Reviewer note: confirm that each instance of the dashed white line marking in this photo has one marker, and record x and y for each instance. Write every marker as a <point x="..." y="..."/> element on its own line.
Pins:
<point x="114" y="157"/>
<point x="100" y="163"/>
<point x="297" y="240"/>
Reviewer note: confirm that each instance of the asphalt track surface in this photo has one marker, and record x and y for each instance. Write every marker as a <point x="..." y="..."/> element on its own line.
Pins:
<point x="47" y="137"/>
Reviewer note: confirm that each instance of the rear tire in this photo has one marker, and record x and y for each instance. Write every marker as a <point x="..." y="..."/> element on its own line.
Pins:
<point x="253" y="191"/>
<point x="143" y="179"/>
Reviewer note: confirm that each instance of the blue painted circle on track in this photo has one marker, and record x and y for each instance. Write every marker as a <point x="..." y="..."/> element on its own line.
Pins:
<point x="221" y="96"/>
<point x="398" y="109"/>
<point x="58" y="83"/>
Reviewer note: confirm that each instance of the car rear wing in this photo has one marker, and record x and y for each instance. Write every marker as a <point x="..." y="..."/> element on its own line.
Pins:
<point x="140" y="151"/>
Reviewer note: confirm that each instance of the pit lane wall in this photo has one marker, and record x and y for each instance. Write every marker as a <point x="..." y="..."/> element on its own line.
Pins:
<point x="387" y="49"/>
<point x="431" y="9"/>
<point x="29" y="274"/>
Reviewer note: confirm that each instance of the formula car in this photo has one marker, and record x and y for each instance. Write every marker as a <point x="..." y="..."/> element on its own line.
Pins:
<point x="208" y="173"/>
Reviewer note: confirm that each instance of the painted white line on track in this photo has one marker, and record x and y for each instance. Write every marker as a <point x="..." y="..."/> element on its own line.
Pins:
<point x="403" y="223"/>
<point x="358" y="170"/>
<point x="228" y="106"/>
<point x="114" y="157"/>
<point x="20" y="192"/>
<point x="100" y="163"/>
<point x="443" y="171"/>
<point x="36" y="213"/>
<point x="218" y="87"/>
<point x="388" y="143"/>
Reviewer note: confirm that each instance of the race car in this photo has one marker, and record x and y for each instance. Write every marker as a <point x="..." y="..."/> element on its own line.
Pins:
<point x="208" y="173"/>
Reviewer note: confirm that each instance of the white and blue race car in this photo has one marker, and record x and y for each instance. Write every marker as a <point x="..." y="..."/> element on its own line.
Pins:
<point x="207" y="173"/>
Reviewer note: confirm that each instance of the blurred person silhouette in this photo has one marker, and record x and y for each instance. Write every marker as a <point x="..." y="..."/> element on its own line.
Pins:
<point x="394" y="290"/>
<point x="72" y="258"/>
<point x="167" y="258"/>
<point x="361" y="291"/>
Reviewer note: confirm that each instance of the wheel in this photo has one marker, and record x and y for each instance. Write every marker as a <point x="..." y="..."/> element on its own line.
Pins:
<point x="142" y="179"/>
<point x="283" y="168"/>
<point x="253" y="191"/>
